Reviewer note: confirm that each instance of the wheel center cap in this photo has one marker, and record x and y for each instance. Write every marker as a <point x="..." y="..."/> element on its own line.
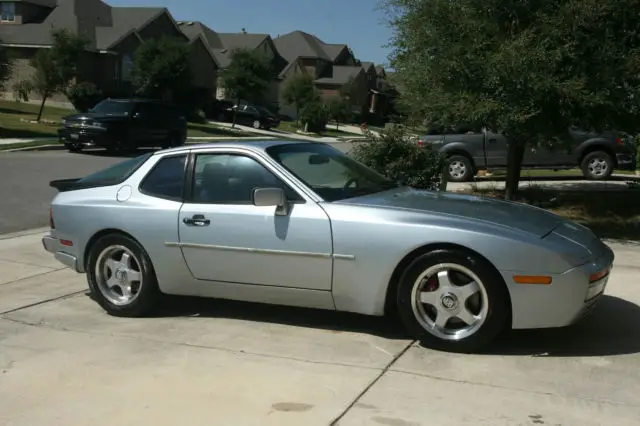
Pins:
<point x="121" y="275"/>
<point x="449" y="301"/>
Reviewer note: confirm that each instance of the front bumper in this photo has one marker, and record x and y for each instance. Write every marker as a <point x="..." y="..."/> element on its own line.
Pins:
<point x="569" y="297"/>
<point x="54" y="246"/>
<point x="83" y="137"/>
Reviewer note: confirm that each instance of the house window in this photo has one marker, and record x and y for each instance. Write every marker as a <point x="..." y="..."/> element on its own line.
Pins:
<point x="127" y="67"/>
<point x="8" y="11"/>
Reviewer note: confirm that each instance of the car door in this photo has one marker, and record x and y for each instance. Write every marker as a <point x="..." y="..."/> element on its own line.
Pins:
<point x="224" y="237"/>
<point x="143" y="125"/>
<point x="495" y="149"/>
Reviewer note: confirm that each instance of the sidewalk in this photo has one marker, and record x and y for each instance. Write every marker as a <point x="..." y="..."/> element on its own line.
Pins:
<point x="63" y="361"/>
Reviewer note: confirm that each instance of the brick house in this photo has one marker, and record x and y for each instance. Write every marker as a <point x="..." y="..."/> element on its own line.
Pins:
<point x="333" y="66"/>
<point x="222" y="44"/>
<point x="113" y="35"/>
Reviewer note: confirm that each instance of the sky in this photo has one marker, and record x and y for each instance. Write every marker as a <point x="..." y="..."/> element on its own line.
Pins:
<point x="357" y="23"/>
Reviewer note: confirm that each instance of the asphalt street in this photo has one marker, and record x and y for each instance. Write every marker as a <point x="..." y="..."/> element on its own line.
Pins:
<point x="24" y="183"/>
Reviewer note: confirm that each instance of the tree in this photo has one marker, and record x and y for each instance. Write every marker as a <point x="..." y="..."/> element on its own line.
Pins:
<point x="528" y="69"/>
<point x="5" y="67"/>
<point x="161" y="68"/>
<point x="339" y="110"/>
<point x="299" y="91"/>
<point x="54" y="68"/>
<point x="247" y="77"/>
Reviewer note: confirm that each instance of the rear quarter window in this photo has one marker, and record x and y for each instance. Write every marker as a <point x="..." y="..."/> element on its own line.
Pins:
<point x="166" y="178"/>
<point x="115" y="174"/>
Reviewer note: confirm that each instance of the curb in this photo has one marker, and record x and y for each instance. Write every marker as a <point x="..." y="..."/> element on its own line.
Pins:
<point x="24" y="233"/>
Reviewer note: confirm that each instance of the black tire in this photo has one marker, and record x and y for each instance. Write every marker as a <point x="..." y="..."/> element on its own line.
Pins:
<point x="148" y="294"/>
<point x="497" y="310"/>
<point x="256" y="124"/>
<point x="73" y="148"/>
<point x="597" y="165"/>
<point x="463" y="165"/>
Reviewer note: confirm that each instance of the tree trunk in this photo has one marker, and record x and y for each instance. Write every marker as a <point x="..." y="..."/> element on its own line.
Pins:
<point x="515" y="153"/>
<point x="44" y="99"/>
<point x="337" y="124"/>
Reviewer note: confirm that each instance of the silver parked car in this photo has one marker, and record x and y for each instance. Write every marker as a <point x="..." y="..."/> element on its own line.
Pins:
<point x="304" y="224"/>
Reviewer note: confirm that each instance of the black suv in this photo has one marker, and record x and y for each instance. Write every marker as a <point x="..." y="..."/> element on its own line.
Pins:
<point x="249" y="115"/>
<point x="120" y="124"/>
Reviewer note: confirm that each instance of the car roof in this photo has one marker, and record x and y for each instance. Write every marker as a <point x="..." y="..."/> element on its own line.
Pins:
<point x="254" y="144"/>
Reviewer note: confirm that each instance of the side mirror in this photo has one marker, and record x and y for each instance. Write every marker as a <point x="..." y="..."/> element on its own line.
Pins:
<point x="271" y="197"/>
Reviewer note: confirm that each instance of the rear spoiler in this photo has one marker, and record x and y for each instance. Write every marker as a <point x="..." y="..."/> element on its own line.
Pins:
<point x="64" y="184"/>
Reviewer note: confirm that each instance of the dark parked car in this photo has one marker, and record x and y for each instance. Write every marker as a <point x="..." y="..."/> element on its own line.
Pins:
<point x="250" y="115"/>
<point x="468" y="151"/>
<point x="120" y="124"/>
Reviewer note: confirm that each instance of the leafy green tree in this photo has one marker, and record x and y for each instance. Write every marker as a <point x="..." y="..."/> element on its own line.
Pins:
<point x="54" y="68"/>
<point x="161" y="68"/>
<point x="299" y="91"/>
<point x="247" y="77"/>
<point x="339" y="110"/>
<point x="528" y="69"/>
<point x="314" y="116"/>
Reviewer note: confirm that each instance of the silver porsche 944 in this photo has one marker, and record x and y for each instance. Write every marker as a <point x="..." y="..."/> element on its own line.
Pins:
<point x="301" y="223"/>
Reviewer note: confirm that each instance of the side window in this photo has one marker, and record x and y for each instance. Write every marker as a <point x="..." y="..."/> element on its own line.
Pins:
<point x="231" y="179"/>
<point x="320" y="174"/>
<point x="166" y="179"/>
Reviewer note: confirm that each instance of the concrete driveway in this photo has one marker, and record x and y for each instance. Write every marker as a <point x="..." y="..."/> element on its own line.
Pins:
<point x="210" y="362"/>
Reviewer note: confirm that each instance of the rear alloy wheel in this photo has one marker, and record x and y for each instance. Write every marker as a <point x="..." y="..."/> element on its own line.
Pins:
<point x="256" y="124"/>
<point x="597" y="165"/>
<point x="453" y="301"/>
<point x="74" y="148"/>
<point x="121" y="277"/>
<point x="459" y="169"/>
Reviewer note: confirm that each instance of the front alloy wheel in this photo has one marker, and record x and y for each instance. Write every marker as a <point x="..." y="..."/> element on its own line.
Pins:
<point x="256" y="124"/>
<point x="453" y="300"/>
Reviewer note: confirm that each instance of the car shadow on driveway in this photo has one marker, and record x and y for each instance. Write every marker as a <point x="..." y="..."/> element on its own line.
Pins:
<point x="613" y="328"/>
<point x="337" y="322"/>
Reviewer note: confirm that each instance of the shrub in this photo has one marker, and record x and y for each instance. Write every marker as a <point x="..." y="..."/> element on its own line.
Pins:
<point x="395" y="156"/>
<point x="314" y="117"/>
<point x="83" y="96"/>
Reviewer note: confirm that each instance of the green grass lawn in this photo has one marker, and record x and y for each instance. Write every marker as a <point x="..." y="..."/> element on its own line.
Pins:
<point x="16" y="122"/>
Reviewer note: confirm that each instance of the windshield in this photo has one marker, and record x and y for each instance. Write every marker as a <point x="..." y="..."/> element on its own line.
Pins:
<point x="111" y="107"/>
<point x="265" y="111"/>
<point x="115" y="174"/>
<point x="331" y="174"/>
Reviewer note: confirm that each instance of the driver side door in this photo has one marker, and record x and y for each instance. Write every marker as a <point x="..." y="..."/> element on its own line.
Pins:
<point x="225" y="238"/>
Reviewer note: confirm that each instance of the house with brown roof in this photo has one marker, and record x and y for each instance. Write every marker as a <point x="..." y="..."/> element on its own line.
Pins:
<point x="223" y="44"/>
<point x="334" y="68"/>
<point x="113" y="34"/>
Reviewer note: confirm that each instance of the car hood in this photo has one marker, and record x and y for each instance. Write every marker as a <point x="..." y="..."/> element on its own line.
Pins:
<point x="511" y="215"/>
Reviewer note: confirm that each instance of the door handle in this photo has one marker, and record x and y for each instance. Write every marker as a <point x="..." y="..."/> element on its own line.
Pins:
<point x="196" y="220"/>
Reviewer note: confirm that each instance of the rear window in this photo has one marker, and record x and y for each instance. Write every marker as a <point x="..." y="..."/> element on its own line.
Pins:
<point x="115" y="174"/>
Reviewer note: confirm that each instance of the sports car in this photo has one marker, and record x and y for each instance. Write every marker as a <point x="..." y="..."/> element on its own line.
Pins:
<point x="303" y="224"/>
